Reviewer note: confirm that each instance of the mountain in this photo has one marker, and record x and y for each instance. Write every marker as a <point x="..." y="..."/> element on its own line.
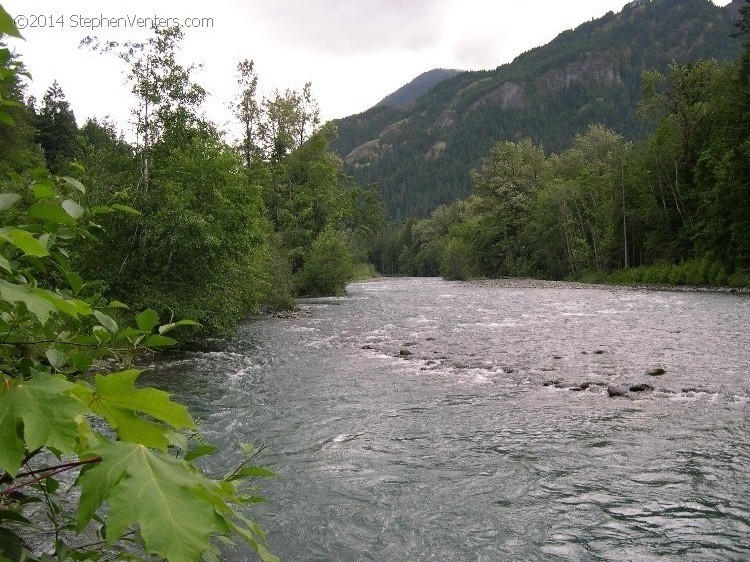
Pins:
<point x="405" y="96"/>
<point x="419" y="153"/>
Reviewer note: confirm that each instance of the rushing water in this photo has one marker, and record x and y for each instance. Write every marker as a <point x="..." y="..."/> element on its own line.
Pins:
<point x="458" y="451"/>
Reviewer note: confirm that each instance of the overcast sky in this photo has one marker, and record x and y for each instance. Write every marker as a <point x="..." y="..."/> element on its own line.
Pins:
<point x="354" y="52"/>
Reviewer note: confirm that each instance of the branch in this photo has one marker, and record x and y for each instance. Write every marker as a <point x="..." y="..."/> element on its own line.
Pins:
<point x="47" y="472"/>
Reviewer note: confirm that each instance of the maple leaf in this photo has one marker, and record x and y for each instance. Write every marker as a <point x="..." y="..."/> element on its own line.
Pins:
<point x="38" y="412"/>
<point x="123" y="405"/>
<point x="170" y="501"/>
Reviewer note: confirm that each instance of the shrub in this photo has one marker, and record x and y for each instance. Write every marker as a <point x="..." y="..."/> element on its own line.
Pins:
<point x="328" y="267"/>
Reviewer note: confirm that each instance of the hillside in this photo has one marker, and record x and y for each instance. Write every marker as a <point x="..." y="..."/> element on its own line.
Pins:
<point x="406" y="95"/>
<point x="420" y="156"/>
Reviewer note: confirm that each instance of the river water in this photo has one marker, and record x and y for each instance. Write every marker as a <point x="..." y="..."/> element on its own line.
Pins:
<point x="459" y="452"/>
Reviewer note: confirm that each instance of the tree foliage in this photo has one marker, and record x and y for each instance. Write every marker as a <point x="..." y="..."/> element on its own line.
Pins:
<point x="56" y="417"/>
<point x="182" y="225"/>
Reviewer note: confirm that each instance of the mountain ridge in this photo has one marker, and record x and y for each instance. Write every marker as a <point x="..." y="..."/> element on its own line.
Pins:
<point x="420" y="155"/>
<point x="407" y="94"/>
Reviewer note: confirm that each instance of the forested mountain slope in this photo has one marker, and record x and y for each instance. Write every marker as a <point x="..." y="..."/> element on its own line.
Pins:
<point x="420" y="156"/>
<point x="406" y="95"/>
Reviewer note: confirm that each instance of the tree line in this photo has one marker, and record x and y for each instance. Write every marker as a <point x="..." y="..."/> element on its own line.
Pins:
<point x="215" y="229"/>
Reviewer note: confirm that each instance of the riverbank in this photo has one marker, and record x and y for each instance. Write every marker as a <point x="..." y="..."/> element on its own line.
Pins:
<point x="529" y="283"/>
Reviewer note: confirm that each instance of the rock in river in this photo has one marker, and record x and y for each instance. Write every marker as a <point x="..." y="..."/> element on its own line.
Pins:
<point x="655" y="372"/>
<point x="642" y="387"/>
<point x="614" y="390"/>
<point x="405" y="353"/>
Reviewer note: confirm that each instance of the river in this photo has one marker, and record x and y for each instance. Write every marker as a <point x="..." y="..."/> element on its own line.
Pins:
<point x="408" y="420"/>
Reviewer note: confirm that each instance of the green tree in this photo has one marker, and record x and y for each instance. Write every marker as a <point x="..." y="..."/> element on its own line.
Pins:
<point x="248" y="112"/>
<point x="20" y="151"/>
<point x="510" y="178"/>
<point x="328" y="266"/>
<point x="57" y="132"/>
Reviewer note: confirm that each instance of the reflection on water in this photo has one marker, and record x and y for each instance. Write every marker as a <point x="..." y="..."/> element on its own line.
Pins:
<point x="456" y="451"/>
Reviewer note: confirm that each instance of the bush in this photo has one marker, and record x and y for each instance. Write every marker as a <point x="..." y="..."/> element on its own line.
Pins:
<point x="739" y="279"/>
<point x="328" y="267"/>
<point x="454" y="265"/>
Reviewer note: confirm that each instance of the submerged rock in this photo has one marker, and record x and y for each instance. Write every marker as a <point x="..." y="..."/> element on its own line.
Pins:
<point x="642" y="387"/>
<point x="655" y="372"/>
<point x="551" y="382"/>
<point x="568" y="385"/>
<point x="613" y="390"/>
<point x="405" y="353"/>
<point x="367" y="347"/>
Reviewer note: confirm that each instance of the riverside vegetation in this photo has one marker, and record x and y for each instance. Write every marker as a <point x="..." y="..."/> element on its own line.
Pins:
<point x="673" y="207"/>
<point x="180" y="225"/>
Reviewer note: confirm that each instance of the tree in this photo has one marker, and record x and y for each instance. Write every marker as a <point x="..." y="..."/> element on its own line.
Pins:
<point x="247" y="111"/>
<point x="57" y="132"/>
<point x="20" y="151"/>
<point x="328" y="266"/>
<point x="509" y="178"/>
<point x="167" y="96"/>
<point x="289" y="119"/>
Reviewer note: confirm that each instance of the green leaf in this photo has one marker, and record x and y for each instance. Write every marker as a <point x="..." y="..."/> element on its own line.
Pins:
<point x="118" y="401"/>
<point x="160" y="493"/>
<point x="11" y="545"/>
<point x="56" y="358"/>
<point x="7" y="119"/>
<point x="126" y="209"/>
<point x="130" y="333"/>
<point x="73" y="208"/>
<point x="74" y="280"/>
<point x="201" y="451"/>
<point x="44" y="189"/>
<point x="7" y="27"/>
<point x="5" y="264"/>
<point x="167" y="327"/>
<point x="77" y="167"/>
<point x="16" y="517"/>
<point x="36" y="304"/>
<point x="39" y="412"/>
<point x="50" y="213"/>
<point x="102" y="334"/>
<point x="117" y="304"/>
<point x="81" y="361"/>
<point x="75" y="183"/>
<point x="7" y="200"/>
<point x="106" y="321"/>
<point x="24" y="241"/>
<point x="147" y="320"/>
<point x="156" y="340"/>
<point x="252" y="472"/>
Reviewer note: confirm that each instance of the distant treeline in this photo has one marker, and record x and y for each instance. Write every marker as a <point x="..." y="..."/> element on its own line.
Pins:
<point x="671" y="208"/>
